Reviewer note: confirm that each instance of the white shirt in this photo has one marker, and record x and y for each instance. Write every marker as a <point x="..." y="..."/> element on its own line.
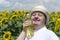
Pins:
<point x="43" y="34"/>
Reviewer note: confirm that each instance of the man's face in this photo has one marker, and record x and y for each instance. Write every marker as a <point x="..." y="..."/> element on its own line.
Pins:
<point x="37" y="18"/>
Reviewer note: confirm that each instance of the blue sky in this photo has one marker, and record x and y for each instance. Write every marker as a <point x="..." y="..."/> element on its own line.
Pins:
<point x="51" y="5"/>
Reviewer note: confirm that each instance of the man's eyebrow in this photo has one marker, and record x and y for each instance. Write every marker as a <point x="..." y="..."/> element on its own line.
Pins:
<point x="33" y="13"/>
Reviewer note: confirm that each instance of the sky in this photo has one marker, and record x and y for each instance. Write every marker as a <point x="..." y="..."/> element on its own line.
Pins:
<point x="50" y="5"/>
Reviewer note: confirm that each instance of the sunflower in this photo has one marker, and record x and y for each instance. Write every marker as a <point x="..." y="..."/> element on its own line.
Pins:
<point x="19" y="11"/>
<point x="6" y="12"/>
<point x="4" y="19"/>
<point x="14" y="17"/>
<point x="1" y="14"/>
<point x="58" y="13"/>
<point x="27" y="11"/>
<point x="54" y="18"/>
<point x="13" y="11"/>
<point x="0" y="23"/>
<point x="7" y="36"/>
<point x="23" y="14"/>
<point x="57" y="25"/>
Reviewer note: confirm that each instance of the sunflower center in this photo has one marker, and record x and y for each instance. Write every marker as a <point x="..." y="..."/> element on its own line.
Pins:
<point x="6" y="36"/>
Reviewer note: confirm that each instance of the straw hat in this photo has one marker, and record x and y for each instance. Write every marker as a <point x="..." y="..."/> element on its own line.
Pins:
<point x="41" y="9"/>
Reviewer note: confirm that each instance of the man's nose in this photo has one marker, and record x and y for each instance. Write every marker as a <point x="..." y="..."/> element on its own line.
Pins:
<point x="36" y="16"/>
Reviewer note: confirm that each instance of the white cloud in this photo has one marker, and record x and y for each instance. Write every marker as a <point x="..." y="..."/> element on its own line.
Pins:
<point x="15" y="0"/>
<point x="18" y="5"/>
<point x="46" y="1"/>
<point x="1" y="1"/>
<point x="29" y="4"/>
<point x="56" y="8"/>
<point x="5" y="3"/>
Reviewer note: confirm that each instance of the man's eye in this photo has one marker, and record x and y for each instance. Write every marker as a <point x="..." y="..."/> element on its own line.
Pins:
<point x="33" y="14"/>
<point x="40" y="15"/>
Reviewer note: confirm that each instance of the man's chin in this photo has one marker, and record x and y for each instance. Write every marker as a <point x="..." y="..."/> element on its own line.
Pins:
<point x="35" y="21"/>
<point x="35" y="24"/>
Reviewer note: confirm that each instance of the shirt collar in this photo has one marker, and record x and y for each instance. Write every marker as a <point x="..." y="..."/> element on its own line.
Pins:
<point x="44" y="27"/>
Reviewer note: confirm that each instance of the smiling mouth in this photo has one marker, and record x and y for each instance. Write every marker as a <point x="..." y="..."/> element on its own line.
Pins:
<point x="36" y="19"/>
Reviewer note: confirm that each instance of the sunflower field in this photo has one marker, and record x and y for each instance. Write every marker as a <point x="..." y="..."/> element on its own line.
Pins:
<point x="11" y="23"/>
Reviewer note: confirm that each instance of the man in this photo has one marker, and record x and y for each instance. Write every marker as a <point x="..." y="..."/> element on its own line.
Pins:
<point x="39" y="17"/>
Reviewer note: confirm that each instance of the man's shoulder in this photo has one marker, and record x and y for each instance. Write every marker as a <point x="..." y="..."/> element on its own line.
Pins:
<point x="49" y="31"/>
<point x="52" y="34"/>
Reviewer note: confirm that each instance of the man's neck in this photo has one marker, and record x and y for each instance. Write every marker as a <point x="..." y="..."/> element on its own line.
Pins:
<point x="39" y="27"/>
